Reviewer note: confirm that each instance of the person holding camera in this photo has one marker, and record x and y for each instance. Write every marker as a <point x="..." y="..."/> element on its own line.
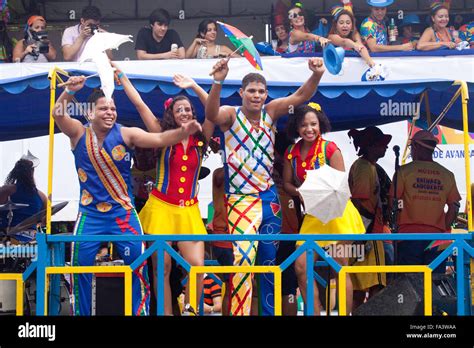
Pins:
<point x="35" y="47"/>
<point x="75" y="38"/>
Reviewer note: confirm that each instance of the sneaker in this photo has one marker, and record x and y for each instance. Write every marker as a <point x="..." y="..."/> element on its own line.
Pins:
<point x="188" y="311"/>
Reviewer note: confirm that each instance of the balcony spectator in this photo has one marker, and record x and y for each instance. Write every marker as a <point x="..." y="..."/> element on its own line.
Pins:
<point x="158" y="41"/>
<point x="374" y="30"/>
<point x="344" y="32"/>
<point x="439" y="35"/>
<point x="204" y="45"/>
<point x="75" y="38"/>
<point x="301" y="39"/>
<point x="35" y="47"/>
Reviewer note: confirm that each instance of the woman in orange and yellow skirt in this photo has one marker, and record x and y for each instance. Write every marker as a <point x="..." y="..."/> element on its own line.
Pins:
<point x="172" y="207"/>
<point x="311" y="152"/>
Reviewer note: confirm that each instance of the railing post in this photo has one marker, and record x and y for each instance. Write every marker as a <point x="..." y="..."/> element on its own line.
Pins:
<point x="460" y="277"/>
<point x="309" y="281"/>
<point x="55" y="283"/>
<point x="41" y="274"/>
<point x="160" y="274"/>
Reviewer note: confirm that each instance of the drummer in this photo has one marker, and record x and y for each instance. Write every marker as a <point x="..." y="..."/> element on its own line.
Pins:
<point x="21" y="188"/>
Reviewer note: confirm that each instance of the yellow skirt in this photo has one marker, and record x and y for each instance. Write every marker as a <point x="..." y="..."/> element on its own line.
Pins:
<point x="159" y="217"/>
<point x="349" y="223"/>
<point x="375" y="257"/>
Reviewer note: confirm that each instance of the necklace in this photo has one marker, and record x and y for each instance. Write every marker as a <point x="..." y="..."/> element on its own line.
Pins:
<point x="255" y="123"/>
<point x="320" y="155"/>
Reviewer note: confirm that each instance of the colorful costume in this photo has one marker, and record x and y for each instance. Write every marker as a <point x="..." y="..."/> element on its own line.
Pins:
<point x="320" y="154"/>
<point x="365" y="186"/>
<point x="106" y="207"/>
<point x="466" y="32"/>
<point x="306" y="46"/>
<point x="253" y="205"/>
<point x="370" y="28"/>
<point x="172" y="207"/>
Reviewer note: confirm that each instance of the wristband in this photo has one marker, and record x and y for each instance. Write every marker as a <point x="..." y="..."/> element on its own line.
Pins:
<point x="68" y="91"/>
<point x="120" y="75"/>
<point x="217" y="82"/>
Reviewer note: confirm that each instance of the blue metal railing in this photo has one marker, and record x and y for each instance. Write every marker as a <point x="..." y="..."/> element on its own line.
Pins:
<point x="459" y="248"/>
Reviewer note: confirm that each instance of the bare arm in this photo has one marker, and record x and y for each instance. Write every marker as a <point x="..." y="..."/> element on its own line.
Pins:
<point x="143" y="55"/>
<point x="281" y="106"/>
<point x="451" y="214"/>
<point x="428" y="42"/>
<point x="337" y="161"/>
<point x="44" y="199"/>
<point x="298" y="36"/>
<point x="70" y="51"/>
<point x="227" y="51"/>
<point x="5" y="192"/>
<point x="191" y="52"/>
<point x="51" y="55"/>
<point x="288" y="185"/>
<point x="216" y="305"/>
<point x="138" y="137"/>
<point x="69" y="126"/>
<point x="372" y="43"/>
<point x="151" y="122"/>
<point x="225" y="115"/>
<point x="19" y="52"/>
<point x="342" y="42"/>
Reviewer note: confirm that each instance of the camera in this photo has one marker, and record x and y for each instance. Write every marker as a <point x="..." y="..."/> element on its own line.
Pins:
<point x="93" y="27"/>
<point x="40" y="39"/>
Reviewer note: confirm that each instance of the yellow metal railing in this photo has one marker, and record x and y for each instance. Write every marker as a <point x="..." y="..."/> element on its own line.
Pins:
<point x="195" y="270"/>
<point x="126" y="270"/>
<point x="385" y="269"/>
<point x="19" y="289"/>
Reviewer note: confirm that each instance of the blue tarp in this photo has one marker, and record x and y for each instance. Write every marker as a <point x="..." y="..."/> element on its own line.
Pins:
<point x="24" y="101"/>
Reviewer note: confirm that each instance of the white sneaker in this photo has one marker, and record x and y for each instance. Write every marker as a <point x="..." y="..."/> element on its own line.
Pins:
<point x="188" y="311"/>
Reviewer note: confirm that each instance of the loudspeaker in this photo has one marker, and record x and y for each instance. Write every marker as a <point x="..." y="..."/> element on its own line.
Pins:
<point x="108" y="294"/>
<point x="404" y="296"/>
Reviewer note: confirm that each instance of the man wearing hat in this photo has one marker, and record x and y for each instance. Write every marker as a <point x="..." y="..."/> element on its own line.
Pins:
<point x="369" y="186"/>
<point x="410" y="28"/>
<point x="424" y="188"/>
<point x="373" y="29"/>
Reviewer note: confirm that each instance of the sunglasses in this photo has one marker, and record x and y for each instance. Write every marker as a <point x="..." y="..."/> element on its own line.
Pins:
<point x="294" y="15"/>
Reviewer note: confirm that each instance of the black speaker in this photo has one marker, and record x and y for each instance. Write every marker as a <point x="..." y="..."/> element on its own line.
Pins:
<point x="108" y="294"/>
<point x="404" y="296"/>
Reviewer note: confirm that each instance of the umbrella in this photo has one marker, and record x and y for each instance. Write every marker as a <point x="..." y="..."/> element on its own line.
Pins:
<point x="243" y="43"/>
<point x="325" y="193"/>
<point x="95" y="51"/>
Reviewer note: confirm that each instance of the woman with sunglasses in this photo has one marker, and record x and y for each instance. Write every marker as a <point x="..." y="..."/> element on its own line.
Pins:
<point x="301" y="39"/>
<point x="344" y="32"/>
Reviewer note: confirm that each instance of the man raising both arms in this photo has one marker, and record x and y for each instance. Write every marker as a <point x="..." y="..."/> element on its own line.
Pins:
<point x="252" y="199"/>
<point x="103" y="151"/>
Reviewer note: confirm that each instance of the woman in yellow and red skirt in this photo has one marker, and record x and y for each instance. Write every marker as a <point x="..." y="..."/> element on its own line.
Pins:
<point x="311" y="152"/>
<point x="172" y="207"/>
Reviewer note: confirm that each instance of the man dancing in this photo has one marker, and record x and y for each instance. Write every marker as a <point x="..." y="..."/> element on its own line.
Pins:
<point x="103" y="151"/>
<point x="252" y="198"/>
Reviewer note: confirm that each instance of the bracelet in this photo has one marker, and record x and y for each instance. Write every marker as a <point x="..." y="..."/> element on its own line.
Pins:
<point x="68" y="91"/>
<point x="120" y="75"/>
<point x="217" y="82"/>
